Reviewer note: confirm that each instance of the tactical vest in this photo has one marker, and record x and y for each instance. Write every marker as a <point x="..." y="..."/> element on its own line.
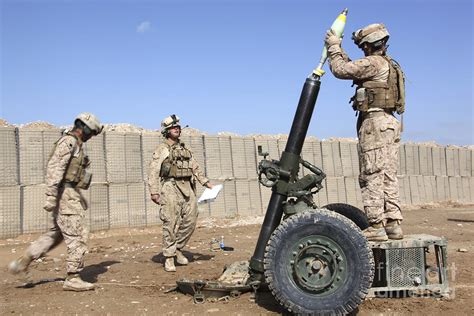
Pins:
<point x="178" y="163"/>
<point x="388" y="95"/>
<point x="76" y="173"/>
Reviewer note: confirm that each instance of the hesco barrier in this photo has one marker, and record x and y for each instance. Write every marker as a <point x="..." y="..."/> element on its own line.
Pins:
<point x="119" y="196"/>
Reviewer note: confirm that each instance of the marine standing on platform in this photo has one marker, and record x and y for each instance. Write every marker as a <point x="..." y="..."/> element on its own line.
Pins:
<point x="172" y="183"/>
<point x="66" y="174"/>
<point x="380" y="92"/>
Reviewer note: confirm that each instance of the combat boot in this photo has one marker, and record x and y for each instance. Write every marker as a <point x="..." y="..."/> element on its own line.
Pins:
<point x="375" y="232"/>
<point x="394" y="229"/>
<point x="169" y="265"/>
<point x="74" y="282"/>
<point x="20" y="265"/>
<point x="180" y="258"/>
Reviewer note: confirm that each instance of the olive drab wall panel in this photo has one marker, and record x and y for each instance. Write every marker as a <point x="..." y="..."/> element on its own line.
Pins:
<point x="123" y="157"/>
<point x="115" y="157"/>
<point x="8" y="157"/>
<point x="49" y="138"/>
<point x="307" y="153"/>
<point x="250" y="158"/>
<point x="239" y="161"/>
<point x="450" y="161"/>
<point x="118" y="205"/>
<point x="119" y="196"/>
<point x="34" y="149"/>
<point x="34" y="217"/>
<point x="212" y="157"/>
<point x="136" y="204"/>
<point x="10" y="212"/>
<point x="133" y="158"/>
<point x="402" y="162"/>
<point x="149" y="143"/>
<point x="95" y="150"/>
<point x="97" y="199"/>
<point x="196" y="143"/>
<point x="346" y="160"/>
<point x="31" y="157"/>
<point x="244" y="164"/>
<point x="328" y="161"/>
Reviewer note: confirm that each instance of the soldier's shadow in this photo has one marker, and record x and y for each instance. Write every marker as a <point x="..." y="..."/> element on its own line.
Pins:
<point x="91" y="272"/>
<point x="30" y="284"/>
<point x="88" y="274"/>
<point x="192" y="257"/>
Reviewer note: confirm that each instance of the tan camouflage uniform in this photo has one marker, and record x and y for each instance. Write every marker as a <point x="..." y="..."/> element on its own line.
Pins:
<point x="379" y="139"/>
<point x="66" y="221"/>
<point x="178" y="203"/>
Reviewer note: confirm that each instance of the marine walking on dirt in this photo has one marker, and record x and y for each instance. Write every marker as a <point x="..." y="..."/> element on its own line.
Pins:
<point x="66" y="174"/>
<point x="380" y="91"/>
<point x="172" y="182"/>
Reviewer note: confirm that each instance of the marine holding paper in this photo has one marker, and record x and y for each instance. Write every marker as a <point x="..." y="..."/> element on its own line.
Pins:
<point x="172" y="182"/>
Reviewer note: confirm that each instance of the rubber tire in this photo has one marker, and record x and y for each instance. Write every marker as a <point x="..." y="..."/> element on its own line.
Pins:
<point x="349" y="238"/>
<point x="353" y="213"/>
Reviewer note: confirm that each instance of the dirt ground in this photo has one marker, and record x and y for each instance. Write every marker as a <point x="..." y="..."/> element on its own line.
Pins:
<point x="126" y="266"/>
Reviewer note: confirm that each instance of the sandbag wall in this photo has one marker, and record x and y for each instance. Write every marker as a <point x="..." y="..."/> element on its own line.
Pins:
<point x="119" y="197"/>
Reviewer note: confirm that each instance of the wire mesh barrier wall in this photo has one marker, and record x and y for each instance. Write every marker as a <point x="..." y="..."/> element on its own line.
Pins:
<point x="119" y="197"/>
<point x="34" y="217"/>
<point x="97" y="199"/>
<point x="95" y="150"/>
<point x="116" y="165"/>
<point x="31" y="167"/>
<point x="149" y="143"/>
<point x="10" y="214"/>
<point x="8" y="157"/>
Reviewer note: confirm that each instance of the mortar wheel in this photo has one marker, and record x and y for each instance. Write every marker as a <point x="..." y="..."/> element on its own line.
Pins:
<point x="318" y="262"/>
<point x="353" y="213"/>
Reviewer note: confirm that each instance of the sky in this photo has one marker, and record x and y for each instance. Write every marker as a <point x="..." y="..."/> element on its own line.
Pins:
<point x="228" y="65"/>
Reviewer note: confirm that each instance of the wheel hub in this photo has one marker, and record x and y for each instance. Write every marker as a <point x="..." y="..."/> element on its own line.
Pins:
<point x="317" y="264"/>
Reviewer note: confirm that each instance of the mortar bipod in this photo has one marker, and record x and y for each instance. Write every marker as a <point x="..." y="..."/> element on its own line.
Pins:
<point x="212" y="291"/>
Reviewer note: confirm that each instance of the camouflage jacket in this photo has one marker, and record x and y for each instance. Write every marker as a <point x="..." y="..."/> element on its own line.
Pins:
<point x="159" y="155"/>
<point x="373" y="68"/>
<point x="67" y="147"/>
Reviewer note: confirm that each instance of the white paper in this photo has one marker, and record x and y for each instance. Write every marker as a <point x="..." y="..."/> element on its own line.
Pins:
<point x="210" y="195"/>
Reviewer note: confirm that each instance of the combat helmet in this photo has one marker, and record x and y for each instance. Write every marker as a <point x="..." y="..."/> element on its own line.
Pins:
<point x="169" y="122"/>
<point x="372" y="33"/>
<point x="91" y="121"/>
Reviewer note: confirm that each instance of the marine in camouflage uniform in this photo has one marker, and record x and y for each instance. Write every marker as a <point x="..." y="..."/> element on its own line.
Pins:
<point x="172" y="182"/>
<point x="379" y="93"/>
<point x="66" y="174"/>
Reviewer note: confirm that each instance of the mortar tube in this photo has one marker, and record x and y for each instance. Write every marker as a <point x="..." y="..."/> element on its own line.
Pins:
<point x="294" y="145"/>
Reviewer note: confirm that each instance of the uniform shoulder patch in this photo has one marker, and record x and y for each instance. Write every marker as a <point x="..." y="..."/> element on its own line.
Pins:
<point x="363" y="62"/>
<point x="65" y="145"/>
<point x="161" y="149"/>
<point x="161" y="146"/>
<point x="68" y="140"/>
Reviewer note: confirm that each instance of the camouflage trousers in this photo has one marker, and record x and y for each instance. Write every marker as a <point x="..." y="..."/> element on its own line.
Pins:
<point x="179" y="214"/>
<point x="379" y="144"/>
<point x="65" y="223"/>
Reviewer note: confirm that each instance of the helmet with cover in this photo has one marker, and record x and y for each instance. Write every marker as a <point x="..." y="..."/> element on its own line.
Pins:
<point x="169" y="122"/>
<point x="89" y="123"/>
<point x="374" y="34"/>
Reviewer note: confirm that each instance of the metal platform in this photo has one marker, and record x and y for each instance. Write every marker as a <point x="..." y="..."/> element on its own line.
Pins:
<point x="413" y="266"/>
